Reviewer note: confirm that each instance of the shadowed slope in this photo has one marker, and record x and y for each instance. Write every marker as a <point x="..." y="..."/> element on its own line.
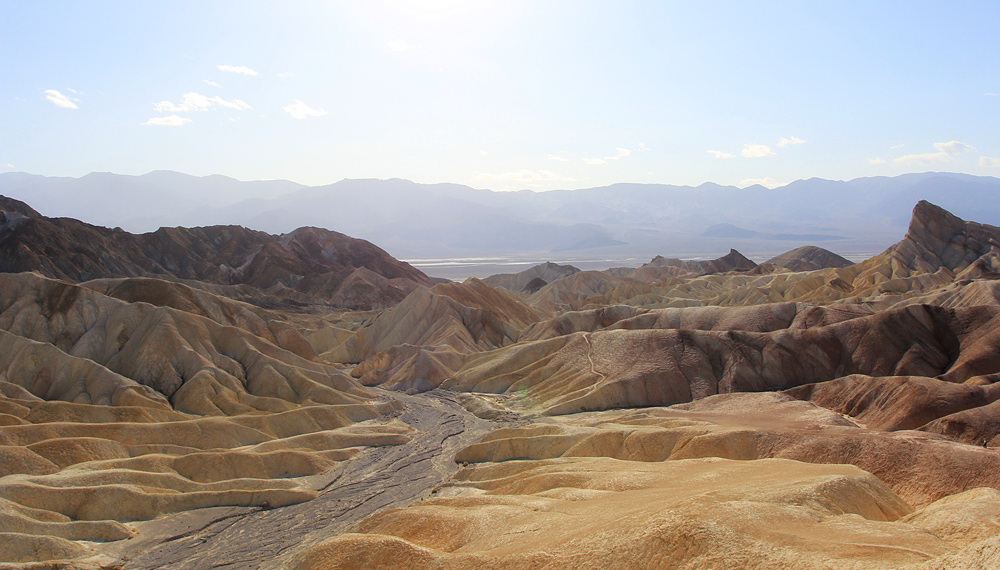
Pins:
<point x="311" y="261"/>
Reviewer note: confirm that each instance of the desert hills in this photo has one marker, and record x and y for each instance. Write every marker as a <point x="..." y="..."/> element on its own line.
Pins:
<point x="308" y="265"/>
<point x="171" y="398"/>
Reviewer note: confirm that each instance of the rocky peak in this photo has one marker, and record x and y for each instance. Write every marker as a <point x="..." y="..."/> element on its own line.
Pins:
<point x="933" y="227"/>
<point x="808" y="258"/>
<point x="16" y="206"/>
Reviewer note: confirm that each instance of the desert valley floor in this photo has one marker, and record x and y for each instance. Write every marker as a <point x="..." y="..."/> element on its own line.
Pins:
<point x="219" y="397"/>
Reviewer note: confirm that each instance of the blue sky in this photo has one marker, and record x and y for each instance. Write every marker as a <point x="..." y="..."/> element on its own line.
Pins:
<point x="501" y="95"/>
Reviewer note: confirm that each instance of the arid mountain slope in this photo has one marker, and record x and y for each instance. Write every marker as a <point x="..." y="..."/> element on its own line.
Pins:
<point x="937" y="249"/>
<point x="115" y="410"/>
<point x="808" y="258"/>
<point x="628" y="368"/>
<point x="740" y="479"/>
<point x="682" y="414"/>
<point x="324" y="265"/>
<point x="538" y="276"/>
<point x="463" y="317"/>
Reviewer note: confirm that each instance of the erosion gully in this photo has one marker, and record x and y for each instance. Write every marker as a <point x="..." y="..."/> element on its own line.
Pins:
<point x="380" y="478"/>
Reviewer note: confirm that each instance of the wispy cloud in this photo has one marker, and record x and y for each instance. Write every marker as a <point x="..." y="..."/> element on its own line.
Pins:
<point x="721" y="154"/>
<point x="8" y="166"/>
<point x="241" y="69"/>
<point x="876" y="160"/>
<point x="989" y="94"/>
<point x="299" y="110"/>
<point x="198" y="102"/>
<point x="212" y="83"/>
<point x="788" y="141"/>
<point x="757" y="151"/>
<point x="989" y="162"/>
<point x="557" y="158"/>
<point x="398" y="46"/>
<point x="619" y="154"/>
<point x="767" y="182"/>
<point x="60" y="100"/>
<point x="284" y="74"/>
<point x="168" y="121"/>
<point x="945" y="151"/>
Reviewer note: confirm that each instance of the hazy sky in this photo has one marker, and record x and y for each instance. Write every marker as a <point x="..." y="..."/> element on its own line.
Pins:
<point x="502" y="95"/>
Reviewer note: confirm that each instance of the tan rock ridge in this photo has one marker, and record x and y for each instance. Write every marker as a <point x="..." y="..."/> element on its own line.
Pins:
<point x="201" y="366"/>
<point x="113" y="411"/>
<point x="661" y="366"/>
<point x="757" y="480"/>
<point x="465" y="317"/>
<point x="937" y="249"/>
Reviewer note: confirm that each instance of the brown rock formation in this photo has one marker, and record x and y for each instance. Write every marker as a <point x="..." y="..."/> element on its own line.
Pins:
<point x="546" y="273"/>
<point x="809" y="258"/>
<point x="314" y="262"/>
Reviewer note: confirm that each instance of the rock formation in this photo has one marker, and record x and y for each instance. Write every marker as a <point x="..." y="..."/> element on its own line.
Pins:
<point x="808" y="258"/>
<point x="306" y="401"/>
<point x="325" y="266"/>
<point x="532" y="279"/>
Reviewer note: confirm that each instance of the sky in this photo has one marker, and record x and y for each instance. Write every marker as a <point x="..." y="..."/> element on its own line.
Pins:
<point x="502" y="95"/>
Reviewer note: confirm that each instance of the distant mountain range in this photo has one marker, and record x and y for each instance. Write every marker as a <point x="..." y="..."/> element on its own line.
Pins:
<point x="413" y="220"/>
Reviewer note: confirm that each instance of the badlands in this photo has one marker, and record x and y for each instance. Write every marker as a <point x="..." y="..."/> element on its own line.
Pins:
<point x="219" y="397"/>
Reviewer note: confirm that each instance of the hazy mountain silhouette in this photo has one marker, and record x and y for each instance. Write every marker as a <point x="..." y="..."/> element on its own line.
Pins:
<point x="426" y="220"/>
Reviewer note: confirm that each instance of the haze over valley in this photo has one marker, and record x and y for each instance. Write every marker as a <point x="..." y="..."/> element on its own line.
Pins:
<point x="453" y="224"/>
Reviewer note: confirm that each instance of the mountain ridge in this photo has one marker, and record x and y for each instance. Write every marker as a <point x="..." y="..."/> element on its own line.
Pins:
<point x="451" y="220"/>
<point x="326" y="266"/>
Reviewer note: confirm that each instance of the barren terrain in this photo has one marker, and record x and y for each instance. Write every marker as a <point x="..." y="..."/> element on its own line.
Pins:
<point x="217" y="397"/>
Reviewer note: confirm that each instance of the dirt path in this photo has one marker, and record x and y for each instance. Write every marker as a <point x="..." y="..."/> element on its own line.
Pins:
<point x="379" y="479"/>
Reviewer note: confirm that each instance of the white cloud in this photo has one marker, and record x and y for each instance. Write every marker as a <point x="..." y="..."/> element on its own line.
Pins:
<point x="284" y="74"/>
<point x="238" y="104"/>
<point x="720" y="154"/>
<point x="299" y="110"/>
<point x="168" y="121"/>
<point x="757" y="151"/>
<point x="619" y="154"/>
<point x="945" y="152"/>
<point x="398" y="46"/>
<point x="990" y="94"/>
<point x="198" y="102"/>
<point x="212" y="83"/>
<point x="989" y="162"/>
<point x="59" y="100"/>
<point x="241" y="69"/>
<point x="528" y="177"/>
<point x="876" y="160"/>
<point x="953" y="147"/>
<point x="557" y="158"/>
<point x="767" y="182"/>
<point x="8" y="166"/>
<point x="788" y="141"/>
<point x="642" y="147"/>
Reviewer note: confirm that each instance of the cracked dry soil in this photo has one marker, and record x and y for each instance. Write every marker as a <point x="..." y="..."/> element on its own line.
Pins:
<point x="379" y="479"/>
